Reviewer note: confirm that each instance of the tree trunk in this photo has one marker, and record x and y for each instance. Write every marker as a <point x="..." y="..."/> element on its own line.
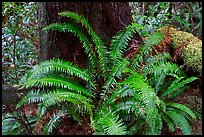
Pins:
<point x="106" y="18"/>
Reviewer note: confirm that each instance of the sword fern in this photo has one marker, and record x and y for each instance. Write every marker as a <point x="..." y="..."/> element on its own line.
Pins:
<point x="120" y="97"/>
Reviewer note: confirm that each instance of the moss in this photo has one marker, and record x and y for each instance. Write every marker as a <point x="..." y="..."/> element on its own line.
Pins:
<point x="192" y="47"/>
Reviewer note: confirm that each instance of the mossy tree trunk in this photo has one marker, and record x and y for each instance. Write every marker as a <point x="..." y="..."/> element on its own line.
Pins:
<point x="106" y="18"/>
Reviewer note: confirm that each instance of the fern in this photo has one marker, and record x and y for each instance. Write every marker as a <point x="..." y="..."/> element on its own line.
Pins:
<point x="147" y="96"/>
<point x="54" y="122"/>
<point x="58" y="83"/>
<point x="183" y="108"/>
<point x="121" y="39"/>
<point x="175" y="86"/>
<point x="108" y="123"/>
<point x="180" y="121"/>
<point x="83" y="37"/>
<point x="169" y="123"/>
<point x="150" y="42"/>
<point x="119" y="95"/>
<point x="78" y="18"/>
<point x="116" y="71"/>
<point x="99" y="45"/>
<point x="31" y="97"/>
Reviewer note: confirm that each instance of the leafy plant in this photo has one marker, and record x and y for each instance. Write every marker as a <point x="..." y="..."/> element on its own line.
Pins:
<point x="115" y="97"/>
<point x="184" y="16"/>
<point x="17" y="123"/>
<point x="19" y="40"/>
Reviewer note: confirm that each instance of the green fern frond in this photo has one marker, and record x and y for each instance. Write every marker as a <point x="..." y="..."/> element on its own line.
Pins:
<point x="168" y="121"/>
<point x="57" y="82"/>
<point x="75" y="99"/>
<point x="158" y="124"/>
<point x="116" y="71"/>
<point x="60" y="95"/>
<point x="54" y="122"/>
<point x="120" y="41"/>
<point x="119" y="92"/>
<point x="108" y="123"/>
<point x="180" y="121"/>
<point x="146" y="95"/>
<point x="31" y="97"/>
<point x="155" y="38"/>
<point x="138" y="83"/>
<point x="83" y="37"/>
<point x="177" y="85"/>
<point x="183" y="108"/>
<point x="166" y="68"/>
<point x="101" y="49"/>
<point x="150" y="42"/>
<point x="151" y="61"/>
<point x="131" y="106"/>
<point x="59" y="66"/>
<point x="78" y="18"/>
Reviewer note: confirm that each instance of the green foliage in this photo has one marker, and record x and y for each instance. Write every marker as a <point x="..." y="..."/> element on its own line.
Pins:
<point x="54" y="122"/>
<point x="121" y="98"/>
<point x="17" y="123"/>
<point x="185" y="16"/>
<point x="121" y="39"/>
<point x="107" y="122"/>
<point x="19" y="40"/>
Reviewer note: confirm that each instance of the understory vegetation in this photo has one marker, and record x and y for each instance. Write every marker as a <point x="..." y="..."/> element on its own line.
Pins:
<point x="116" y="93"/>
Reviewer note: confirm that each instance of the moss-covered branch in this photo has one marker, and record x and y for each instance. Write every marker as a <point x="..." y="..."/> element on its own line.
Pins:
<point x="189" y="45"/>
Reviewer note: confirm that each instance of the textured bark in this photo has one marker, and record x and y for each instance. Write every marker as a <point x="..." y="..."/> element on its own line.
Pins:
<point x="106" y="18"/>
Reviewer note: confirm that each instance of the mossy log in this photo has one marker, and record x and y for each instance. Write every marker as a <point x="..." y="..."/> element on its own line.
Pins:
<point x="189" y="46"/>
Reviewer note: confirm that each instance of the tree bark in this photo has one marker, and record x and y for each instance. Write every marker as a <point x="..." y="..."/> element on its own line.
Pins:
<point x="106" y="18"/>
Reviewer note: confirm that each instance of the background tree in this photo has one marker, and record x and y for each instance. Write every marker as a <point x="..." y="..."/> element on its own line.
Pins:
<point x="106" y="18"/>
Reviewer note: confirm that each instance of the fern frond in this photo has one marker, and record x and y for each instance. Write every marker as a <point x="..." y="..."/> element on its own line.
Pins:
<point x="78" y="18"/>
<point x="175" y="86"/>
<point x="155" y="38"/>
<point x="101" y="49"/>
<point x="138" y="83"/>
<point x="61" y="95"/>
<point x="120" y="41"/>
<point x="150" y="42"/>
<point x="158" y="124"/>
<point x="180" y="121"/>
<point x="75" y="99"/>
<point x="168" y="121"/>
<point x="116" y="71"/>
<point x="59" y="66"/>
<point x="54" y="122"/>
<point x="57" y="82"/>
<point x="83" y="37"/>
<point x="146" y="96"/>
<point x="151" y="61"/>
<point x="131" y="106"/>
<point x="119" y="92"/>
<point x="108" y="123"/>
<point x="183" y="108"/>
<point x="31" y="97"/>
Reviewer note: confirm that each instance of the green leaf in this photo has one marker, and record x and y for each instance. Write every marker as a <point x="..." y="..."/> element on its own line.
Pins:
<point x="183" y="108"/>
<point x="180" y="121"/>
